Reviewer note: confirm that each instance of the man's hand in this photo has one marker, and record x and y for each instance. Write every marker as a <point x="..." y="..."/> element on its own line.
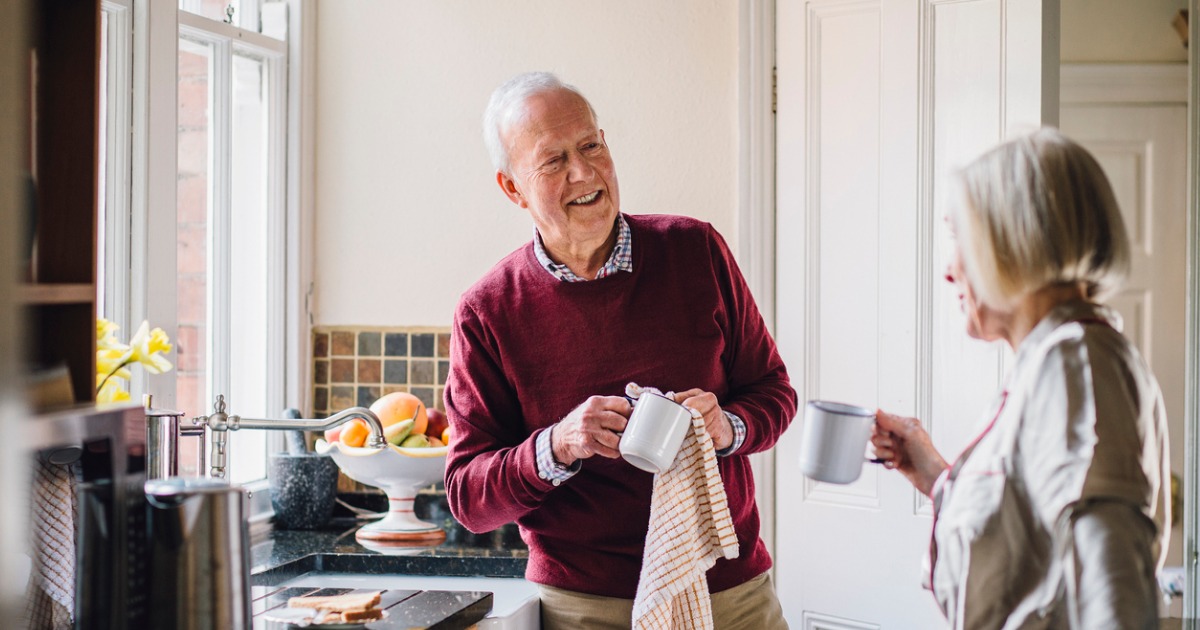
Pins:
<point x="715" y="420"/>
<point x="591" y="429"/>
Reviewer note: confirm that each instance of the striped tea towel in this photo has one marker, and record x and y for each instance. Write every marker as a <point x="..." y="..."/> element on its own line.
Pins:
<point x="690" y="528"/>
<point x="50" y="596"/>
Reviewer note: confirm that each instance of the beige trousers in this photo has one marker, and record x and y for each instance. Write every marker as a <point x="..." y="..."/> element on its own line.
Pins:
<point x="752" y="606"/>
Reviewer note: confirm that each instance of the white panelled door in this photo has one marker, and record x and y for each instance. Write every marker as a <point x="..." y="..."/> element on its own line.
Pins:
<point x="1140" y="141"/>
<point x="878" y="101"/>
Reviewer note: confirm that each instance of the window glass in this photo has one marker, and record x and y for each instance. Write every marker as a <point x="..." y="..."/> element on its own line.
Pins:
<point x="192" y="228"/>
<point x="230" y="236"/>
<point x="249" y="298"/>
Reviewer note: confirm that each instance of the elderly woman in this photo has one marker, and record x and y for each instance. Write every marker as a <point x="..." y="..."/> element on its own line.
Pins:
<point x="1055" y="516"/>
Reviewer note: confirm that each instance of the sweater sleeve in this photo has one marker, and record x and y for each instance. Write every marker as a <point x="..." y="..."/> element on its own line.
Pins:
<point x="491" y="470"/>
<point x="760" y="392"/>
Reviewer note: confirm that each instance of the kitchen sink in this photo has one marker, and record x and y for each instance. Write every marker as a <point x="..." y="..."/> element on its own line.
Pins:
<point x="420" y="601"/>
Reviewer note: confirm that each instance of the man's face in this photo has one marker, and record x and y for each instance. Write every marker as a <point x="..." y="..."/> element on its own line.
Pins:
<point x="562" y="171"/>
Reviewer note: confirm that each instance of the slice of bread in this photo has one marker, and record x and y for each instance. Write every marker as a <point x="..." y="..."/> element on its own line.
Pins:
<point x="362" y="615"/>
<point x="350" y="602"/>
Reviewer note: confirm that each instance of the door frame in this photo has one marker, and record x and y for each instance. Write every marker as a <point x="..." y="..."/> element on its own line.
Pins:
<point x="1191" y="485"/>
<point x="756" y="200"/>
<point x="1140" y="84"/>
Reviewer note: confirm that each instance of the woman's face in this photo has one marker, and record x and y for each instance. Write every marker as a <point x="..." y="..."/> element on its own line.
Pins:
<point x="982" y="322"/>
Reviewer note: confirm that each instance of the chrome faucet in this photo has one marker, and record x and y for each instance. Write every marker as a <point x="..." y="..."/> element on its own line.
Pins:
<point x="220" y="423"/>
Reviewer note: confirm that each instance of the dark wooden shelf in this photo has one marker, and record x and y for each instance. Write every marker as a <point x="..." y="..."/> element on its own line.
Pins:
<point x="64" y="125"/>
<point x="35" y="294"/>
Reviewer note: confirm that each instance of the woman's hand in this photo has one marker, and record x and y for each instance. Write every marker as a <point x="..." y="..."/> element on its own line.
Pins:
<point x="715" y="421"/>
<point x="591" y="429"/>
<point x="902" y="444"/>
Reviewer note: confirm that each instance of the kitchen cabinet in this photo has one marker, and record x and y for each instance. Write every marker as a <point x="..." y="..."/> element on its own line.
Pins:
<point x="58" y="293"/>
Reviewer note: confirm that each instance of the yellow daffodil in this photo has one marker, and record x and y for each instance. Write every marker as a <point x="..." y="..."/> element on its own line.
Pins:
<point x="113" y="361"/>
<point x="109" y="390"/>
<point x="112" y="357"/>
<point x="106" y="334"/>
<point x="147" y="346"/>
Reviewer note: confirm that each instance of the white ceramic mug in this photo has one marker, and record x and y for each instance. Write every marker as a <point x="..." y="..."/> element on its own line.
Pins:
<point x="835" y="441"/>
<point x="655" y="432"/>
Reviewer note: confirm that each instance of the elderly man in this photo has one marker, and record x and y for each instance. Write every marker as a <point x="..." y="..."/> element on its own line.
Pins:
<point x="544" y="344"/>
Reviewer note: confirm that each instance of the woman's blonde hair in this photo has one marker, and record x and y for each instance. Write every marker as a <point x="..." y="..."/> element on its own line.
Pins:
<point x="1035" y="211"/>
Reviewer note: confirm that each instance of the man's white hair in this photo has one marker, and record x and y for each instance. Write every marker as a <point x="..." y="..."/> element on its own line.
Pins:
<point x="507" y="107"/>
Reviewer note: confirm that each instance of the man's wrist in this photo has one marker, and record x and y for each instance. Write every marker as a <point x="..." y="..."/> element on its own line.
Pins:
<point x="560" y="458"/>
<point x="739" y="434"/>
<point x="548" y="466"/>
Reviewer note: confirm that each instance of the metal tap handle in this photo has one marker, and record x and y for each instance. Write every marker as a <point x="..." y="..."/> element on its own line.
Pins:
<point x="219" y="420"/>
<point x="217" y="471"/>
<point x="219" y="424"/>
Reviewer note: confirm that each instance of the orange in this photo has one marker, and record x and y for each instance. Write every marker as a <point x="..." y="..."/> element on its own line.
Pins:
<point x="398" y="406"/>
<point x="355" y="433"/>
<point x="446" y="436"/>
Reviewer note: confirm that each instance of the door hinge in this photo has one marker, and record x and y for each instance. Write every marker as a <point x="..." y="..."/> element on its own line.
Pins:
<point x="308" y="304"/>
<point x="774" y="89"/>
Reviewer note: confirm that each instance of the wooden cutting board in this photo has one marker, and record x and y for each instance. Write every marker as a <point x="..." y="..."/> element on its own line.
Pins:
<point x="407" y="610"/>
<point x="440" y="610"/>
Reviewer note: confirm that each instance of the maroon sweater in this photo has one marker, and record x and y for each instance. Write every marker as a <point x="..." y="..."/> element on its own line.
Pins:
<point x="528" y="348"/>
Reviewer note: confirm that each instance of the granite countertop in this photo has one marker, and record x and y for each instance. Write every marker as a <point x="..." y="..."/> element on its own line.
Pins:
<point x="281" y="555"/>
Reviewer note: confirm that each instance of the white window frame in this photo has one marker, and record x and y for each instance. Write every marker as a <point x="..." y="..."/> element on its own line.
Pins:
<point x="150" y="239"/>
<point x="118" y="165"/>
<point x="226" y="41"/>
<point x="247" y="10"/>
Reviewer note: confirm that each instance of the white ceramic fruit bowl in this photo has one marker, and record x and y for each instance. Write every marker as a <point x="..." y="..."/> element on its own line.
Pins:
<point x="399" y="472"/>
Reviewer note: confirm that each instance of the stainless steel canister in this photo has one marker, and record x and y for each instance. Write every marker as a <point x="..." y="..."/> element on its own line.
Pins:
<point x="173" y="447"/>
<point x="199" y="554"/>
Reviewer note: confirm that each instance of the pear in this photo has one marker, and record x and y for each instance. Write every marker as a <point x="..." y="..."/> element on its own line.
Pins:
<point x="396" y="433"/>
<point x="415" y="441"/>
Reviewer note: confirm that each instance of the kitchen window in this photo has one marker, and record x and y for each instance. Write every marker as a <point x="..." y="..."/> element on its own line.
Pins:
<point x="219" y="255"/>
<point x="230" y="228"/>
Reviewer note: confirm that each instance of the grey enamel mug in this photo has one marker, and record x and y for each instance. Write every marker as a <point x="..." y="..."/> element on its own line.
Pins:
<point x="835" y="441"/>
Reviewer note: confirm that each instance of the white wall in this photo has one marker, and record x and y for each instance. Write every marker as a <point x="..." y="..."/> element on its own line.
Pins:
<point x="1121" y="31"/>
<point x="408" y="213"/>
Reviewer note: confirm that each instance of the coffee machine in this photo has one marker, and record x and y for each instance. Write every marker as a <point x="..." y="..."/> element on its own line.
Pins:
<point x="106" y="450"/>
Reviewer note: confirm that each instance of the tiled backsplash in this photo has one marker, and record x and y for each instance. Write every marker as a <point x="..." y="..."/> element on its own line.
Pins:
<point x="353" y="367"/>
